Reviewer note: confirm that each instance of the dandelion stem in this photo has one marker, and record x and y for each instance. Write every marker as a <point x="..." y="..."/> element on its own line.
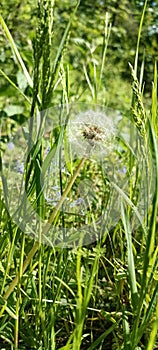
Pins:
<point x="45" y="230"/>
<point x="65" y="193"/>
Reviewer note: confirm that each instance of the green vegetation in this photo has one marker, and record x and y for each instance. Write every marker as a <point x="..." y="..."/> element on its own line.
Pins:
<point x="79" y="175"/>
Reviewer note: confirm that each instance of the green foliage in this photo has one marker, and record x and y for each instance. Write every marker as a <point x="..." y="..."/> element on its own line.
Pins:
<point x="79" y="296"/>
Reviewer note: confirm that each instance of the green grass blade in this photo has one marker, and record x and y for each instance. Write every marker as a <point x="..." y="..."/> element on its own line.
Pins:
<point x="107" y="31"/>
<point x="103" y="336"/>
<point x="129" y="202"/>
<point x="56" y="65"/>
<point x="154" y="331"/>
<point x="139" y="36"/>
<point x="10" y="312"/>
<point x="149" y="312"/>
<point x="154" y="101"/>
<point x="15" y="86"/>
<point x="14" y="48"/>
<point x="131" y="265"/>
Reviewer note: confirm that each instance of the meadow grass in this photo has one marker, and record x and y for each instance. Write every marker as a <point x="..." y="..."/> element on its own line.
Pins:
<point x="69" y="294"/>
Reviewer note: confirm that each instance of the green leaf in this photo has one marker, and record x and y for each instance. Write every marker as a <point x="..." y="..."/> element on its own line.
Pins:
<point x="16" y="87"/>
<point x="13" y="109"/>
<point x="5" y="307"/>
<point x="21" y="80"/>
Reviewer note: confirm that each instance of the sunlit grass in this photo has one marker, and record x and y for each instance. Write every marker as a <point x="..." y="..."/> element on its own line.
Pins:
<point x="93" y="293"/>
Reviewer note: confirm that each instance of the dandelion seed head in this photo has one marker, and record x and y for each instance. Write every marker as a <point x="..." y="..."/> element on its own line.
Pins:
<point x="91" y="134"/>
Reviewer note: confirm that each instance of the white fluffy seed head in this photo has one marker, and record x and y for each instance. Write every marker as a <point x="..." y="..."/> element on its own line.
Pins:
<point x="91" y="134"/>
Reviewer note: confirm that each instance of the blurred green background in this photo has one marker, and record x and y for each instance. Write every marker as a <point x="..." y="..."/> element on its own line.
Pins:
<point x="83" y="49"/>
